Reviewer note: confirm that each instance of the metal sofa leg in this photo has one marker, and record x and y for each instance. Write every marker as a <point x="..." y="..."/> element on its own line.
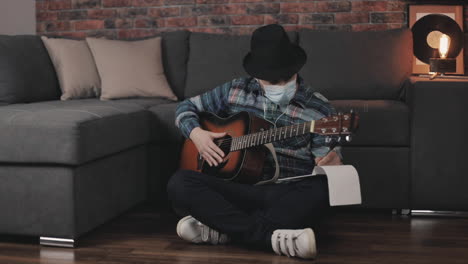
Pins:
<point x="57" y="242"/>
<point x="406" y="212"/>
<point x="463" y="214"/>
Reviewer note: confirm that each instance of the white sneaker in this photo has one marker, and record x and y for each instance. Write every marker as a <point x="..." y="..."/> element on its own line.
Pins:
<point x="192" y="230"/>
<point x="294" y="243"/>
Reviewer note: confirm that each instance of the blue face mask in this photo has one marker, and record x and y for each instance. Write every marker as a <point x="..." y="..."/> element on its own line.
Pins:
<point x="280" y="94"/>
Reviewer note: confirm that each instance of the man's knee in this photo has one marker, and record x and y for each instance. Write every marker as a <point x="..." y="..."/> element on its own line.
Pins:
<point x="178" y="189"/>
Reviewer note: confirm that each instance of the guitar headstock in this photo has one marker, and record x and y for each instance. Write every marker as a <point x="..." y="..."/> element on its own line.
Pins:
<point x="337" y="125"/>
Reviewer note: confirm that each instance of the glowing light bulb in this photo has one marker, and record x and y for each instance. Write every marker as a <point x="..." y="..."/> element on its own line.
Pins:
<point x="444" y="46"/>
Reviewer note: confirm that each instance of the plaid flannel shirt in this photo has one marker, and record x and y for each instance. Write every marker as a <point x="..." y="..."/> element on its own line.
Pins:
<point x="295" y="155"/>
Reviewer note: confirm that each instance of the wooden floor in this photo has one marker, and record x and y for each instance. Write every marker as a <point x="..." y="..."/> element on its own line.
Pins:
<point x="145" y="236"/>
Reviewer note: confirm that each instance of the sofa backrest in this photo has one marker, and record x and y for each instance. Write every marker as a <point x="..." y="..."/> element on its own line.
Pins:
<point x="26" y="71"/>
<point x="175" y="48"/>
<point x="357" y="65"/>
<point x="215" y="59"/>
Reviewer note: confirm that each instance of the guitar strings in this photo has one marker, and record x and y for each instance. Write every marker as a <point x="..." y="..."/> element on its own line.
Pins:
<point x="227" y="141"/>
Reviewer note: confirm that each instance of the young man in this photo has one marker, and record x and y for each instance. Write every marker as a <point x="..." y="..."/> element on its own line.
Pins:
<point x="273" y="216"/>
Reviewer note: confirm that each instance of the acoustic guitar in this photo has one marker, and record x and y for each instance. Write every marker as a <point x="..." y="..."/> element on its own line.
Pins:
<point x="247" y="135"/>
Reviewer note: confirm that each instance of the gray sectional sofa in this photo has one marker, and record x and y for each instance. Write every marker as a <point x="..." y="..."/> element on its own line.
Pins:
<point x="69" y="166"/>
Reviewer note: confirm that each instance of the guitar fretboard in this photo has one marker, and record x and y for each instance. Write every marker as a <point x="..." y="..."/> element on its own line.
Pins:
<point x="268" y="136"/>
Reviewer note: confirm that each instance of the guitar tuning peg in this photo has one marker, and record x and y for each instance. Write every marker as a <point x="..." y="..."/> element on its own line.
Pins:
<point x="327" y="139"/>
<point x="348" y="138"/>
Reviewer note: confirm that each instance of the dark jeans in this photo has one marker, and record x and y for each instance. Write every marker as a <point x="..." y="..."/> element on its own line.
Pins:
<point x="249" y="214"/>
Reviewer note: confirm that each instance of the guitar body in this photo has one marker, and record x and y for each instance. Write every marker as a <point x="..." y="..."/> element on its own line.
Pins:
<point x="246" y="165"/>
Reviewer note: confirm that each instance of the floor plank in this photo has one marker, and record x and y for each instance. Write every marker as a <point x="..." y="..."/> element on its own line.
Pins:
<point x="146" y="235"/>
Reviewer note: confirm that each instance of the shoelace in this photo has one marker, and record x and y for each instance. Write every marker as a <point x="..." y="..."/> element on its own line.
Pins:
<point x="285" y="244"/>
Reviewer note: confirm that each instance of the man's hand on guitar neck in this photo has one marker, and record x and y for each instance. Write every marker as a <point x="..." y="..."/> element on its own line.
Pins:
<point x="331" y="158"/>
<point x="203" y="140"/>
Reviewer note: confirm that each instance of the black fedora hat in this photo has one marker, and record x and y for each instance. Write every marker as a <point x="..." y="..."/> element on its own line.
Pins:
<point x="272" y="55"/>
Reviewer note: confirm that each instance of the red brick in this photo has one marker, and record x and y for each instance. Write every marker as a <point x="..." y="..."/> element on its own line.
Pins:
<point x="74" y="35"/>
<point x="132" y="12"/>
<point x="265" y="8"/>
<point x="181" y="21"/>
<point x="376" y="6"/>
<point x="135" y="33"/>
<point x="317" y="19"/>
<point x="229" y="9"/>
<point x="164" y="11"/>
<point x="282" y="19"/>
<point x="149" y="23"/>
<point x="101" y="13"/>
<point x="394" y="17"/>
<point x="118" y="23"/>
<point x="46" y="16"/>
<point x="57" y="26"/>
<point x="40" y="27"/>
<point x="140" y="3"/>
<point x="212" y="1"/>
<point x="352" y="18"/>
<point x="72" y="15"/>
<point x="88" y="24"/>
<point x="369" y="27"/>
<point x="59" y="5"/>
<point x="179" y="2"/>
<point x="42" y="5"/>
<point x="247" y="20"/>
<point x="213" y="20"/>
<point x="81" y="4"/>
<point x="242" y="30"/>
<point x="116" y="3"/>
<point x="338" y="6"/>
<point x="298" y="7"/>
<point x="396" y="6"/>
<point x="394" y="26"/>
<point x="206" y="30"/>
<point x="249" y="1"/>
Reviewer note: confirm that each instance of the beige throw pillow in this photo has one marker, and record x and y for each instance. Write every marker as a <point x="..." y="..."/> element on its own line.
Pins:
<point x="75" y="68"/>
<point x="130" y="68"/>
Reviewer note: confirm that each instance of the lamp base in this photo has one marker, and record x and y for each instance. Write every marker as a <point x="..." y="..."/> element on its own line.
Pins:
<point x="443" y="65"/>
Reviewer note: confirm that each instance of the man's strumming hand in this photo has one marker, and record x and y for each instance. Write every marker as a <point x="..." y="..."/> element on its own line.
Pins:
<point x="331" y="158"/>
<point x="203" y="140"/>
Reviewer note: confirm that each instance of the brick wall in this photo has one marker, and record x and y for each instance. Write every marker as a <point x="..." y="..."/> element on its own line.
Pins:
<point x="126" y="19"/>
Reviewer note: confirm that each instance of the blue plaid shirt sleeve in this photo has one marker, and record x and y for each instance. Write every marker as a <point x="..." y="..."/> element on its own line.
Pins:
<point x="214" y="101"/>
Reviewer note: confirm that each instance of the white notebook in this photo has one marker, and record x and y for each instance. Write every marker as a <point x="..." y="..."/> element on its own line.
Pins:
<point x="343" y="183"/>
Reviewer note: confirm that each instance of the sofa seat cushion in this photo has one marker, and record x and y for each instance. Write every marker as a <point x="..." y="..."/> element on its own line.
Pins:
<point x="381" y="122"/>
<point x="72" y="132"/>
<point x="163" y="128"/>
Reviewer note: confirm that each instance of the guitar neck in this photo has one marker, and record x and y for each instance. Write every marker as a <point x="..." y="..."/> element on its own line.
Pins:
<point x="271" y="135"/>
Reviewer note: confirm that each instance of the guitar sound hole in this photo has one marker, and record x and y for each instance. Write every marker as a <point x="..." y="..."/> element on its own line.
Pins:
<point x="224" y="143"/>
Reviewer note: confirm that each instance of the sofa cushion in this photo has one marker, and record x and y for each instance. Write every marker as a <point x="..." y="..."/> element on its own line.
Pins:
<point x="163" y="128"/>
<point x="130" y="68"/>
<point x="215" y="59"/>
<point x="26" y="71"/>
<point x="74" y="64"/>
<point x="381" y="122"/>
<point x="357" y="65"/>
<point x="71" y="132"/>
